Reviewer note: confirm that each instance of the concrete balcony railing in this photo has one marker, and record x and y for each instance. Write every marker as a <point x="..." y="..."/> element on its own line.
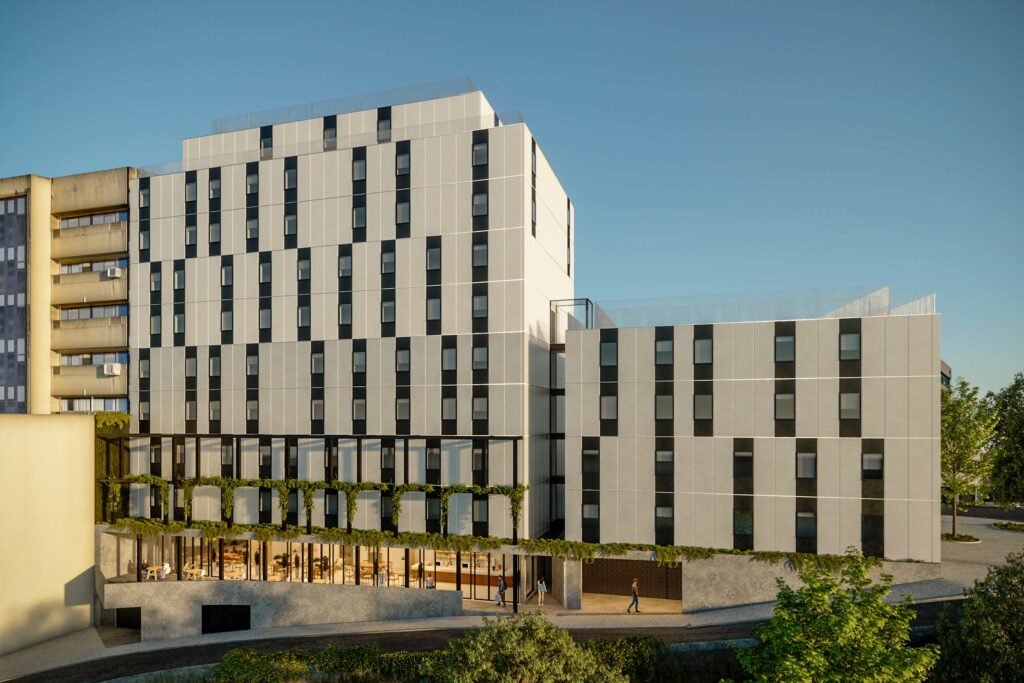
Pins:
<point x="95" y="333"/>
<point x="94" y="240"/>
<point x="90" y="287"/>
<point x="110" y="379"/>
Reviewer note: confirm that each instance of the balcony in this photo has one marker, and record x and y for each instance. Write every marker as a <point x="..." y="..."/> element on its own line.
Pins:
<point x="92" y="334"/>
<point x="90" y="287"/>
<point x="110" y="379"/>
<point x="94" y="240"/>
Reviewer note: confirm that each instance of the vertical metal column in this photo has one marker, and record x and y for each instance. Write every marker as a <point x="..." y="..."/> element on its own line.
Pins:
<point x="515" y="530"/>
<point x="138" y="558"/>
<point x="458" y="570"/>
<point x="220" y="559"/>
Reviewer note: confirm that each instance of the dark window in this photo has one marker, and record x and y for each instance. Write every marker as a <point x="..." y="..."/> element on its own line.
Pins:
<point x="785" y="349"/>
<point x="662" y="407"/>
<point x="806" y="465"/>
<point x="609" y="354"/>
<point x="873" y="464"/>
<point x="663" y="352"/>
<point x="703" y="407"/>
<point x="849" y="406"/>
<point x="703" y="352"/>
<point x="785" y="407"/>
<point x="849" y="346"/>
<point x="479" y="153"/>
<point x="806" y="525"/>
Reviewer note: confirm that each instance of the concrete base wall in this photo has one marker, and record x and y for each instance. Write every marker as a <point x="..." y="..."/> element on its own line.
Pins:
<point x="173" y="609"/>
<point x="731" y="580"/>
<point x="567" y="582"/>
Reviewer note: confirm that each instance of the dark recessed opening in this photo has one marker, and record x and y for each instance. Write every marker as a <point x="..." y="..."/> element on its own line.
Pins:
<point x="221" y="618"/>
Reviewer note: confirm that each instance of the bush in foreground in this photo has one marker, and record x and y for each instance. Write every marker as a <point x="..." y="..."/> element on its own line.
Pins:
<point x="987" y="643"/>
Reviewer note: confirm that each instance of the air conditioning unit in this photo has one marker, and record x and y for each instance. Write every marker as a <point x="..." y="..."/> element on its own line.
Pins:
<point x="111" y="369"/>
<point x="113" y="273"/>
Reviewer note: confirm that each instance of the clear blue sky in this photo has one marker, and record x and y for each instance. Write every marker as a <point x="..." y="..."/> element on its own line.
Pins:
<point x="709" y="147"/>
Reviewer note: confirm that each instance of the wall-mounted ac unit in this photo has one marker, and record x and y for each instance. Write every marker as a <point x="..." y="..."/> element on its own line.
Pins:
<point x="111" y="369"/>
<point x="113" y="272"/>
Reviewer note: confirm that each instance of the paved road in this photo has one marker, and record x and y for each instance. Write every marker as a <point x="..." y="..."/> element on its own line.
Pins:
<point x="158" y="660"/>
<point x="988" y="512"/>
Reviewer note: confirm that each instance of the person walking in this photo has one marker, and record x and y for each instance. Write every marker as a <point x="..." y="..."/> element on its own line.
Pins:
<point x="499" y="598"/>
<point x="542" y="588"/>
<point x="636" y="598"/>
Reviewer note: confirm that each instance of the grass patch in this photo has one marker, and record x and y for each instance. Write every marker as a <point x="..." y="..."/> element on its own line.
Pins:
<point x="1010" y="526"/>
<point x="959" y="538"/>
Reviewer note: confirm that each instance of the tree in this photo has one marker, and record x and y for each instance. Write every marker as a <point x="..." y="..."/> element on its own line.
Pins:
<point x="837" y="628"/>
<point x="1008" y="454"/>
<point x="526" y="647"/>
<point x="986" y="644"/>
<point x="968" y="423"/>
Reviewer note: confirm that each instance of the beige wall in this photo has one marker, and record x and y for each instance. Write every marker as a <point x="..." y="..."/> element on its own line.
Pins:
<point x="40" y="269"/>
<point x="46" y="504"/>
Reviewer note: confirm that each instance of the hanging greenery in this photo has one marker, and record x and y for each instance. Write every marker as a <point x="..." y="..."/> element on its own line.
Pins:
<point x="113" y="498"/>
<point x="400" y="490"/>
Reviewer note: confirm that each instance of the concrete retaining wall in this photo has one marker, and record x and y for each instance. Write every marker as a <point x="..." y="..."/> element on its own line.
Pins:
<point x="731" y="580"/>
<point x="173" y="609"/>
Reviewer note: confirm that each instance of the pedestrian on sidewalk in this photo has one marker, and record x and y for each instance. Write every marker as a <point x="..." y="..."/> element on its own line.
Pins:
<point x="542" y="588"/>
<point x="636" y="598"/>
<point x="500" y="597"/>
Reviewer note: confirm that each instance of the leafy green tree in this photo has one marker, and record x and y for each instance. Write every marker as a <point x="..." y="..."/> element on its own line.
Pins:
<point x="837" y="628"/>
<point x="517" y="649"/>
<point x="968" y="424"/>
<point x="986" y="644"/>
<point x="1008" y="459"/>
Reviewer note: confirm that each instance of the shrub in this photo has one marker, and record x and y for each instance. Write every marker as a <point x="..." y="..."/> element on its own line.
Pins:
<point x="635" y="657"/>
<point x="249" y="666"/>
<point x="986" y="643"/>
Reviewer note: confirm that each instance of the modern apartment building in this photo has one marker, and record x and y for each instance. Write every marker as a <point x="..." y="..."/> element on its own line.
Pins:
<point x="378" y="292"/>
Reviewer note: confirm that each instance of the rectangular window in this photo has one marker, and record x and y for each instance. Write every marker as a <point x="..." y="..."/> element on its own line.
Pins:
<point x="402" y="409"/>
<point x="316" y="363"/>
<point x="480" y="204"/>
<point x="252" y="365"/>
<point x="190" y="235"/>
<point x="316" y="409"/>
<point x="849" y="346"/>
<point x="402" y="164"/>
<point x="154" y="281"/>
<point x="743" y="522"/>
<point x="806" y="465"/>
<point x="480" y="154"/>
<point x="479" y="357"/>
<point x="190" y="410"/>
<point x="702" y="351"/>
<point x="252" y="228"/>
<point x="663" y="512"/>
<point x="227" y="454"/>
<point x="785" y="349"/>
<point x="591" y="511"/>
<point x="143" y="239"/>
<point x="265" y="318"/>
<point x="214" y="188"/>
<point x="179" y="324"/>
<point x="303" y="316"/>
<point x="215" y="232"/>
<point x="143" y="368"/>
<point x="252" y="183"/>
<point x="358" y="217"/>
<point x="190" y="192"/>
<point x="480" y="408"/>
<point x="226" y="321"/>
<point x="344" y="314"/>
<point x="480" y="306"/>
<point x="387" y="311"/>
<point x="252" y="410"/>
<point x="359" y="409"/>
<point x="448" y="408"/>
<point x="143" y="410"/>
<point x="433" y="508"/>
<point x="214" y="366"/>
<point x="433" y="458"/>
<point x="402" y="213"/>
<point x="479" y="255"/>
<point x="402" y="360"/>
<point x="359" y="169"/>
<point x="265" y="272"/>
<point x="434" y="258"/>
<point x="480" y="510"/>
<point x="873" y="464"/>
<point x="214" y="410"/>
<point x="291" y="224"/>
<point x="344" y="266"/>
<point x="662" y="407"/>
<point x="266" y="457"/>
<point x="387" y="262"/>
<point x="609" y="407"/>
<point x="703" y="407"/>
<point x="143" y="197"/>
<point x="663" y="352"/>
<point x="179" y="279"/>
<point x="449" y="359"/>
<point x="154" y="324"/>
<point x="609" y="354"/>
<point x="434" y="308"/>
<point x="359" y="361"/>
<point x="291" y="178"/>
<point x="304" y="269"/>
<point x="227" y="276"/>
<point x="806" y="525"/>
<point x="849" y="406"/>
<point x="785" y="407"/>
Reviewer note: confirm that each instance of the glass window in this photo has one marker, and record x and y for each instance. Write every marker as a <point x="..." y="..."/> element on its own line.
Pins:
<point x="434" y="258"/>
<point x="387" y="262"/>
<point x="266" y="272"/>
<point x="703" y="407"/>
<point x="304" y="269"/>
<point x="316" y="409"/>
<point x="359" y="409"/>
<point x="359" y="169"/>
<point x="358" y="217"/>
<point x="179" y="279"/>
<point x="303" y="316"/>
<point x="143" y="239"/>
<point x="785" y="349"/>
<point x="227" y="276"/>
<point x="345" y="266"/>
<point x="663" y="512"/>
<point x="344" y="314"/>
<point x="663" y="352"/>
<point x="806" y="465"/>
<point x="215" y="232"/>
<point x="849" y="406"/>
<point x="252" y="183"/>
<point x="214" y="412"/>
<point x="609" y="354"/>
<point x="359" y="361"/>
<point x="402" y="163"/>
<point x="401" y="409"/>
<point x="480" y="204"/>
<point x="316" y="363"/>
<point x="387" y="311"/>
<point x="448" y="408"/>
<point x="479" y="153"/>
<point x="291" y="178"/>
<point x="785" y="407"/>
<point x="154" y="281"/>
<point x="291" y="224"/>
<point x="190" y="410"/>
<point x="143" y="368"/>
<point x="806" y="525"/>
<point x="479" y="255"/>
<point x="402" y="360"/>
<point x="214" y="366"/>
<point x="252" y="228"/>
<point x="479" y="407"/>
<point x="479" y="459"/>
<point x="609" y="407"/>
<point x="742" y="522"/>
<point x="480" y="510"/>
<point x="252" y="365"/>
<point x="479" y="357"/>
<point x="662" y="407"/>
<point x="591" y="511"/>
<point x="190" y="192"/>
<point x="433" y="458"/>
<point x="252" y="410"/>
<point x="154" y="324"/>
<point x="226" y="321"/>
<point x="190" y="234"/>
<point x="402" y="213"/>
<point x="702" y="351"/>
<point x="449" y="359"/>
<point x="214" y="188"/>
<point x="143" y="410"/>
<point x="480" y="306"/>
<point x="190" y="367"/>
<point x="265" y="318"/>
<point x="873" y="464"/>
<point x="849" y="346"/>
<point x="143" y="197"/>
<point x="179" y="323"/>
<point x="227" y="453"/>
<point x="384" y="130"/>
<point x="434" y="308"/>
